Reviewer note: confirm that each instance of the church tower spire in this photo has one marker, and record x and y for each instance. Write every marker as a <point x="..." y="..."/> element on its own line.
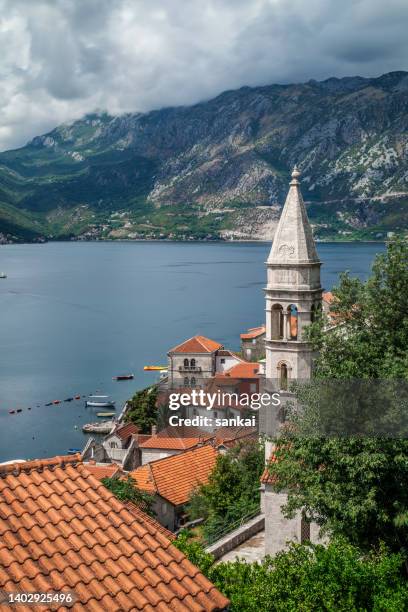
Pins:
<point x="293" y="293"/>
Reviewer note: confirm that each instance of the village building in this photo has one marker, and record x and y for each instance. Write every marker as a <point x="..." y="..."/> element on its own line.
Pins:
<point x="171" y="441"/>
<point x="193" y="362"/>
<point x="293" y="297"/>
<point x="173" y="479"/>
<point x="121" y="447"/>
<point x="253" y="343"/>
<point x="62" y="531"/>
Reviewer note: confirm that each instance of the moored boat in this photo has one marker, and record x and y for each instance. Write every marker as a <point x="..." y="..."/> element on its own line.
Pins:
<point x="73" y="451"/>
<point x="100" y="401"/>
<point x="3" y="275"/>
<point x="101" y="415"/>
<point x="124" y="377"/>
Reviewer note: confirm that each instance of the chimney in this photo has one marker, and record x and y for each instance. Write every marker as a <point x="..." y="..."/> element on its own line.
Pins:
<point x="154" y="430"/>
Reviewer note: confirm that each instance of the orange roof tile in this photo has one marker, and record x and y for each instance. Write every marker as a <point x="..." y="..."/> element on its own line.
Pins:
<point x="125" y="431"/>
<point x="246" y="369"/>
<point x="62" y="530"/>
<point x="140" y="515"/>
<point x="197" y="344"/>
<point x="328" y="297"/>
<point x="228" y="435"/>
<point x="253" y="332"/>
<point x="176" y="438"/>
<point x="105" y="470"/>
<point x="175" y="477"/>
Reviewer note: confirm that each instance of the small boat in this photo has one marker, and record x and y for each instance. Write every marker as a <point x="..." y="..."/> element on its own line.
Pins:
<point x="69" y="399"/>
<point x="12" y="412"/>
<point x="100" y="401"/>
<point x="56" y="402"/>
<point x="101" y="415"/>
<point x="19" y="410"/>
<point x="124" y="377"/>
<point x="49" y="404"/>
<point x="77" y="397"/>
<point x="29" y="408"/>
<point x="3" y="275"/>
<point x="73" y="451"/>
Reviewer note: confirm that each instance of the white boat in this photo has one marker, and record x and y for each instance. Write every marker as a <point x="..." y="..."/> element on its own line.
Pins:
<point x="100" y="401"/>
<point x="3" y="275"/>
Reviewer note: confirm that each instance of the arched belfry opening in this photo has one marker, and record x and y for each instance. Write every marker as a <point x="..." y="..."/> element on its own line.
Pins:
<point x="292" y="322"/>
<point x="277" y="322"/>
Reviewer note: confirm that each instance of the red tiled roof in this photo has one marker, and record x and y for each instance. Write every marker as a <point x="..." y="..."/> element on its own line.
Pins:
<point x="126" y="430"/>
<point x="107" y="470"/>
<point x="267" y="477"/>
<point x="226" y="435"/>
<point x="174" y="478"/>
<point x="246" y="369"/>
<point x="197" y="344"/>
<point x="253" y="332"/>
<point x="142" y="516"/>
<point x="328" y="297"/>
<point x="176" y="438"/>
<point x="62" y="530"/>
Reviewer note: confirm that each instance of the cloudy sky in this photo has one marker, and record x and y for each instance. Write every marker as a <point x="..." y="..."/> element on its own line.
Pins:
<point x="62" y="58"/>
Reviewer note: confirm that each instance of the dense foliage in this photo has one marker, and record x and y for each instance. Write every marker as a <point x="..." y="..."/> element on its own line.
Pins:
<point x="371" y="339"/>
<point x="142" y="410"/>
<point x="356" y="485"/>
<point x="233" y="488"/>
<point x="126" y="490"/>
<point x="308" y="578"/>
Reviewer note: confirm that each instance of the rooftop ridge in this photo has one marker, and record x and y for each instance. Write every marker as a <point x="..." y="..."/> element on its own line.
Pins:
<point x="40" y="464"/>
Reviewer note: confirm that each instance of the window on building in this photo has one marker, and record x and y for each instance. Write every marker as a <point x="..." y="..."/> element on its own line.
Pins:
<point x="186" y="363"/>
<point x="164" y="508"/>
<point x="252" y="387"/>
<point x="283" y="376"/>
<point x="215" y="415"/>
<point x="195" y="412"/>
<point x="113" y="445"/>
<point x="193" y="382"/>
<point x="222" y="360"/>
<point x="253" y="340"/>
<point x="192" y="363"/>
<point x="186" y="382"/>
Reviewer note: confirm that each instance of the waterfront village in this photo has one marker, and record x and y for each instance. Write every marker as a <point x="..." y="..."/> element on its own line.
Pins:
<point x="62" y="530"/>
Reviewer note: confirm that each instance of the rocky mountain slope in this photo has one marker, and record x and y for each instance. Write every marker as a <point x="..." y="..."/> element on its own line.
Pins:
<point x="220" y="168"/>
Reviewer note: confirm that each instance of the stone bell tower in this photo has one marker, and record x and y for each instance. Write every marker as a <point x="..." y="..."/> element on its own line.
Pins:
<point x="293" y="293"/>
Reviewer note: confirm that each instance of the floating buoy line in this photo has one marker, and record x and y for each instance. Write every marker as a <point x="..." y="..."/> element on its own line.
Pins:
<point x="53" y="403"/>
<point x="79" y="396"/>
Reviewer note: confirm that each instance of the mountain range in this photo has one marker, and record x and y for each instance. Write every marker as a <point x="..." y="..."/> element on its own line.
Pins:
<point x="220" y="168"/>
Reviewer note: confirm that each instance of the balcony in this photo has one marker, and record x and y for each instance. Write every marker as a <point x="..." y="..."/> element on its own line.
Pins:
<point x="184" y="368"/>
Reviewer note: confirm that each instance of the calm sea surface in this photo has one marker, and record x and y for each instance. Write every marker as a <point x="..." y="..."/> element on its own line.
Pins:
<point x="72" y="315"/>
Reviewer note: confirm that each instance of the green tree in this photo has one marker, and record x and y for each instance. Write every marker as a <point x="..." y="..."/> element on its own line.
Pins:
<point x="308" y="578"/>
<point x="371" y="336"/>
<point x="142" y="409"/>
<point x="126" y="490"/>
<point x="233" y="488"/>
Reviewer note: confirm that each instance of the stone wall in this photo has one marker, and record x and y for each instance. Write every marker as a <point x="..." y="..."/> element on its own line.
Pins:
<point x="237" y="537"/>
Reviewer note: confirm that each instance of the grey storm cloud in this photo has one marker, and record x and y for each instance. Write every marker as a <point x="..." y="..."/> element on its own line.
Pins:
<point x="60" y="59"/>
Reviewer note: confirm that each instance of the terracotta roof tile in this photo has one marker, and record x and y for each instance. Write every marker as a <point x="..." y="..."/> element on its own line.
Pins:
<point x="197" y="344"/>
<point x="253" y="332"/>
<point x="175" y="477"/>
<point x="125" y="431"/>
<point x="176" y="438"/>
<point x="246" y="369"/>
<point x="105" y="470"/>
<point x="110" y="554"/>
